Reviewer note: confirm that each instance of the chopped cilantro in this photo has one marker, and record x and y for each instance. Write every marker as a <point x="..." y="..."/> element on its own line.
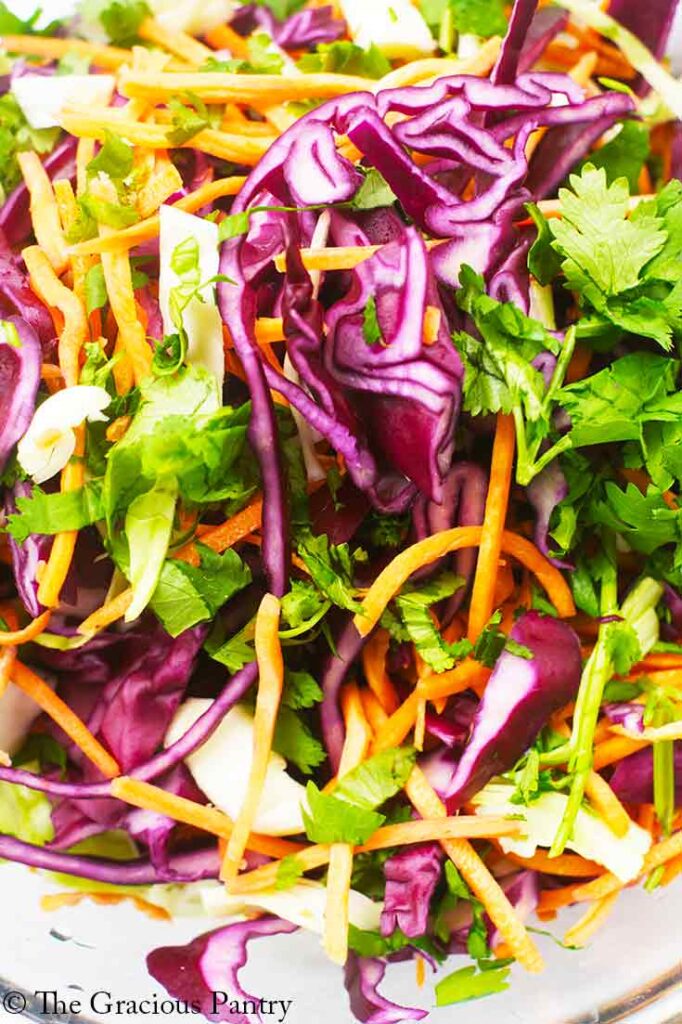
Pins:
<point x="371" y="329"/>
<point x="347" y="59"/>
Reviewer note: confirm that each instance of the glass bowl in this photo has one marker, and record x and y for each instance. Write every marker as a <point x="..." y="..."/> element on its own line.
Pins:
<point x="92" y="956"/>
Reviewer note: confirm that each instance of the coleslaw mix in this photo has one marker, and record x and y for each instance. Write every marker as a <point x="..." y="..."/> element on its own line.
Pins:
<point x="341" y="451"/>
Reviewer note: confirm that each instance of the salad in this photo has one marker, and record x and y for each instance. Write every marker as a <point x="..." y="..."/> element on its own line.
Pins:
<point x="341" y="451"/>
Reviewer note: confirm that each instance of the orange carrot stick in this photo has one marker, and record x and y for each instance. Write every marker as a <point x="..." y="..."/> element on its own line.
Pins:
<point x="585" y="928"/>
<point x="66" y="719"/>
<point x="47" y="225"/>
<point x="424" y="552"/>
<point x="28" y="633"/>
<point x="225" y="536"/>
<point x="355" y="747"/>
<point x="607" y="804"/>
<point x="497" y="503"/>
<point x="53" y="293"/>
<point x="207" y="819"/>
<point x="270" y="684"/>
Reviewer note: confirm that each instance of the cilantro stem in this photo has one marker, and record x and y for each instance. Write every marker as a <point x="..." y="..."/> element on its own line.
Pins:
<point x="596" y="674"/>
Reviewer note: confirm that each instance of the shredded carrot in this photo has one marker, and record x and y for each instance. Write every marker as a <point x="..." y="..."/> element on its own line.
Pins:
<point x="339" y="258"/>
<point x="374" y="655"/>
<point x="374" y="713"/>
<point x="424" y="552"/>
<point x="569" y="865"/>
<point x="64" y="544"/>
<point x="44" y="211"/>
<point x="53" y="48"/>
<point x="397" y="727"/>
<point x="477" y="876"/>
<point x="94" y="123"/>
<point x="646" y="817"/>
<point x="607" y="804"/>
<point x="420" y="965"/>
<point x="225" y="536"/>
<point x="355" y="747"/>
<point x="28" y="633"/>
<point x="56" y="901"/>
<point x="119" y="284"/>
<point x="109" y="613"/>
<point x="497" y="503"/>
<point x="66" y="719"/>
<point x="222" y="37"/>
<point x="163" y="181"/>
<point x="49" y="288"/>
<point x="180" y="44"/>
<point x="147" y="229"/>
<point x="420" y="724"/>
<point x="585" y="928"/>
<point x="206" y="819"/>
<point x="469" y="675"/>
<point x="251" y="90"/>
<point x="673" y="870"/>
<point x="405" y="834"/>
<point x="615" y="750"/>
<point x="270" y="684"/>
<point x="8" y="656"/>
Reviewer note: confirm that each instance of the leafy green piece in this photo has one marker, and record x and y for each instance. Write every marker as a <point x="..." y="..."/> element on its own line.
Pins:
<point x="301" y="691"/>
<point x="543" y="262"/>
<point x="189" y="117"/>
<point x="331" y="569"/>
<point x="303" y="604"/>
<point x="471" y="983"/>
<point x="644" y="520"/>
<point x="374" y="193"/>
<point x="148" y="529"/>
<point x="180" y="430"/>
<point x="281" y="8"/>
<point x="186" y="595"/>
<point x="624" y="155"/>
<point x="371" y="329"/>
<point x="48" y="514"/>
<point x="73" y="63"/>
<point x="614" y="404"/>
<point x="483" y="18"/>
<point x="234" y="653"/>
<point x="25" y="814"/>
<point x="120" y="19"/>
<point x="114" y="159"/>
<point x="16" y="136"/>
<point x="348" y="815"/>
<point x="372" y="944"/>
<point x="101" y="211"/>
<point x="331" y="820"/>
<point x="376" y="780"/>
<point x="413" y="606"/>
<point x="499" y="371"/>
<point x="43" y="750"/>
<point x="346" y="58"/>
<point x="604" y="250"/>
<point x="264" y="59"/>
<point x="493" y="641"/>
<point x="296" y="742"/>
<point x="289" y="871"/>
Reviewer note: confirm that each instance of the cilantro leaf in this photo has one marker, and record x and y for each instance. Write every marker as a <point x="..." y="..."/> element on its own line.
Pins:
<point x="371" y="329"/>
<point x="114" y="215"/>
<point x="471" y="983"/>
<point x="331" y="820"/>
<point x="376" y="780"/>
<point x="234" y="653"/>
<point x="374" y="193"/>
<point x="483" y="18"/>
<point x="48" y="514"/>
<point x="302" y="605"/>
<point x="493" y="641"/>
<point x="95" y="288"/>
<point x="372" y="944"/>
<point x="347" y="815"/>
<point x="16" y="136"/>
<point x="331" y="568"/>
<point x="604" y="250"/>
<point x="189" y="117"/>
<point x="614" y="404"/>
<point x="186" y="595"/>
<point x="120" y="19"/>
<point x="624" y="155"/>
<point x="414" y="606"/>
<point x="346" y="58"/>
<point x="295" y="741"/>
<point x="114" y="159"/>
<point x="301" y="691"/>
<point x="644" y="520"/>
